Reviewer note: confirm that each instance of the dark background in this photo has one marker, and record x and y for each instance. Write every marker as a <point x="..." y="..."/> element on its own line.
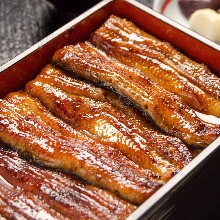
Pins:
<point x="25" y="22"/>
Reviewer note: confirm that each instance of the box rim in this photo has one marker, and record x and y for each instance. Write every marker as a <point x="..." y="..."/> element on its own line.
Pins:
<point x="93" y="9"/>
<point x="174" y="182"/>
<point x="175" y="24"/>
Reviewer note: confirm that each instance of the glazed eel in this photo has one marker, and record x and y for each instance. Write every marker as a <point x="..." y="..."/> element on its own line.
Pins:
<point x="193" y="82"/>
<point x="165" y="108"/>
<point x="18" y="204"/>
<point x="29" y="127"/>
<point x="64" y="196"/>
<point x="88" y="110"/>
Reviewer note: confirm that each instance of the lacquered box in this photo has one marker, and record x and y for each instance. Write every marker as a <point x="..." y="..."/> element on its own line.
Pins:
<point x="194" y="191"/>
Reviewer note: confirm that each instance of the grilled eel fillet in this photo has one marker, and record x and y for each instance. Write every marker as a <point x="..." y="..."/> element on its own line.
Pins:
<point x="28" y="126"/>
<point x="18" y="204"/>
<point x="62" y="95"/>
<point x="64" y="195"/>
<point x="193" y="82"/>
<point x="165" y="109"/>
